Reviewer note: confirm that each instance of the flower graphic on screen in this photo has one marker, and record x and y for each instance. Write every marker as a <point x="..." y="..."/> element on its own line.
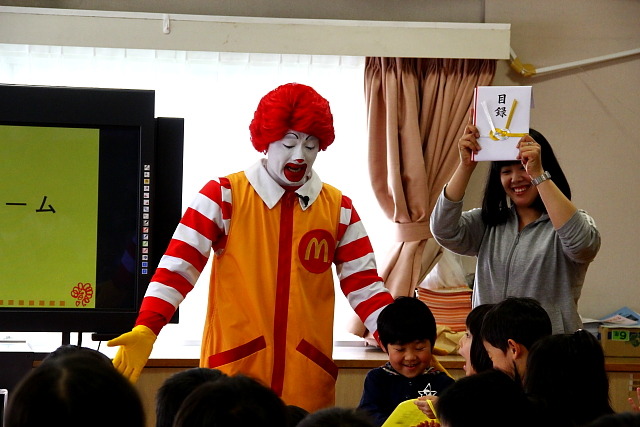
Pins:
<point x="83" y="293"/>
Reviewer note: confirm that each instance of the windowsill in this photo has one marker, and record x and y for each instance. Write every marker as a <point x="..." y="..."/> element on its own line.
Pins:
<point x="170" y="351"/>
<point x="352" y="355"/>
<point x="346" y="354"/>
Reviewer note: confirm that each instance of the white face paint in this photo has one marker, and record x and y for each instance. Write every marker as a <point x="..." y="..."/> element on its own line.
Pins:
<point x="290" y="159"/>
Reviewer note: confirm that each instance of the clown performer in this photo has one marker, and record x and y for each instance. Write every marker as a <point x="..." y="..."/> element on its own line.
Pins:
<point x="275" y="230"/>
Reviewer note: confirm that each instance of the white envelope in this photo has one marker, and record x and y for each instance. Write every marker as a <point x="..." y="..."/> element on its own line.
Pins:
<point x="501" y="114"/>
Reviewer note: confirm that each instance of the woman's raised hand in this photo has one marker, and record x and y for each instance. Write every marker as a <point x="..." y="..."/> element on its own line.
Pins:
<point x="468" y="144"/>
<point x="530" y="156"/>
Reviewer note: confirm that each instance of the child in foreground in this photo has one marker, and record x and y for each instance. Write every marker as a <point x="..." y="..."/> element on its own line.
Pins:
<point x="471" y="348"/>
<point x="509" y="330"/>
<point x="407" y="333"/>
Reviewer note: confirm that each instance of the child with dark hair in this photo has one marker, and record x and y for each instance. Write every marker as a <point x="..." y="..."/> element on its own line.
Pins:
<point x="407" y="332"/>
<point x="621" y="419"/>
<point x="488" y="398"/>
<point x="529" y="238"/>
<point x="337" y="417"/>
<point x="175" y="390"/>
<point x="237" y="401"/>
<point x="567" y="380"/>
<point x="295" y="414"/>
<point x="74" y="387"/>
<point x="67" y="350"/>
<point x="471" y="346"/>
<point x="509" y="330"/>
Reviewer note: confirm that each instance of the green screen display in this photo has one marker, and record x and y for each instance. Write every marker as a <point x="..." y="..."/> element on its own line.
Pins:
<point x="48" y="216"/>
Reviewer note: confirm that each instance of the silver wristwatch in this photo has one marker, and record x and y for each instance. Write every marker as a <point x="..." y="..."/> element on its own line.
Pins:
<point x="539" y="179"/>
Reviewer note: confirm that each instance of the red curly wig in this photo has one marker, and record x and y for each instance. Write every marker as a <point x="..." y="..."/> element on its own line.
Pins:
<point x="291" y="106"/>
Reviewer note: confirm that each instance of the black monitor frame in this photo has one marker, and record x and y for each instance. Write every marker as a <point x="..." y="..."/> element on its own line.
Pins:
<point x="160" y="151"/>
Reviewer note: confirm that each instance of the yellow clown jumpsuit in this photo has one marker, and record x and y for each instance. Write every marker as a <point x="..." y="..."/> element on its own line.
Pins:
<point x="271" y="295"/>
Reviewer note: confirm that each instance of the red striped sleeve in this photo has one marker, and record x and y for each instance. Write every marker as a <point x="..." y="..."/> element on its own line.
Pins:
<point x="379" y="300"/>
<point x="354" y="214"/>
<point x="342" y="228"/>
<point x="182" y="250"/>
<point x="154" y="313"/>
<point x="178" y="282"/>
<point x="225" y="205"/>
<point x="345" y="203"/>
<point x="226" y="210"/>
<point x="359" y="280"/>
<point x="203" y="225"/>
<point x="212" y="190"/>
<point x="224" y="182"/>
<point x="353" y="250"/>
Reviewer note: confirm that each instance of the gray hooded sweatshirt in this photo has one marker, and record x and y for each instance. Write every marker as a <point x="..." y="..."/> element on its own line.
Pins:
<point x="538" y="261"/>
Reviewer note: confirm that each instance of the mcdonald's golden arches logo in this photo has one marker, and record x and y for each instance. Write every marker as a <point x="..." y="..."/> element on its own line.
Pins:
<point x="316" y="250"/>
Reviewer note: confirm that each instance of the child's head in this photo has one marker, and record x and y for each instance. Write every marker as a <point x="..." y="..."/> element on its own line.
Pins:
<point x="620" y="419"/>
<point x="471" y="346"/>
<point x="487" y="398"/>
<point x="407" y="332"/>
<point x="70" y="350"/>
<point x="295" y="414"/>
<point x="238" y="401"/>
<point x="561" y="364"/>
<point x="509" y="330"/>
<point x="337" y="417"/>
<point x="73" y="388"/>
<point x="175" y="390"/>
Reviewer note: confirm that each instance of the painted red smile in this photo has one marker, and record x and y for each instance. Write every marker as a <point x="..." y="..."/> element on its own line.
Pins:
<point x="295" y="172"/>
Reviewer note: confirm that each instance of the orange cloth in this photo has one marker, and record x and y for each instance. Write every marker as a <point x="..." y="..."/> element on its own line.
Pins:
<point x="271" y="335"/>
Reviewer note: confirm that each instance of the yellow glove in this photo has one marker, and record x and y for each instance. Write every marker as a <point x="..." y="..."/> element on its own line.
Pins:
<point x="134" y="351"/>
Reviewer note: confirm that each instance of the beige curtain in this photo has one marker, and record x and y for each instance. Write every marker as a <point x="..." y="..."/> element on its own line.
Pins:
<point x="417" y="109"/>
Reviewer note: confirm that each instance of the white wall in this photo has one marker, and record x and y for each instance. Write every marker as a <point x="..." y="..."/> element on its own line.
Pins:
<point x="387" y="10"/>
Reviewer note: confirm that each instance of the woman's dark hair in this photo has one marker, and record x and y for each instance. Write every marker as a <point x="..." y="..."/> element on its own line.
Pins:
<point x="559" y="367"/>
<point x="480" y="359"/>
<point x="495" y="203"/>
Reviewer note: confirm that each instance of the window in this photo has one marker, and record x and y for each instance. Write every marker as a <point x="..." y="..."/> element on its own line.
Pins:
<point x="216" y="94"/>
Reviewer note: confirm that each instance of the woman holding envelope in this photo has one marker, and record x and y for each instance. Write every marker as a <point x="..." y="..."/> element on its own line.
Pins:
<point x="530" y="240"/>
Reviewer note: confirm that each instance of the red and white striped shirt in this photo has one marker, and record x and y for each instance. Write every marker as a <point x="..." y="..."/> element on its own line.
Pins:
<point x="205" y="226"/>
